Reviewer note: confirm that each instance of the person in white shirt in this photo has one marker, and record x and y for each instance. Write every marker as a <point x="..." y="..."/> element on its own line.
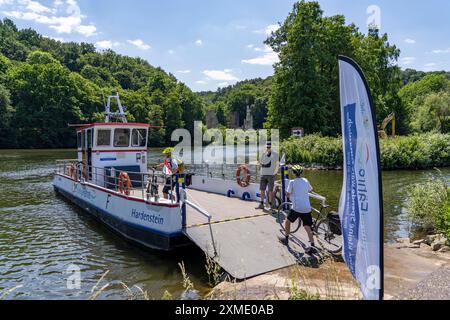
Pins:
<point x="269" y="168"/>
<point x="298" y="191"/>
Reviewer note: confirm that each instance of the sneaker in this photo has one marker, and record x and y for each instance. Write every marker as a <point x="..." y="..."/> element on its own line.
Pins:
<point x="260" y="207"/>
<point x="284" y="240"/>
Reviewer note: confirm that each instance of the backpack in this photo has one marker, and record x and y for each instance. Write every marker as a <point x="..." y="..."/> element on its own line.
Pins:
<point x="180" y="166"/>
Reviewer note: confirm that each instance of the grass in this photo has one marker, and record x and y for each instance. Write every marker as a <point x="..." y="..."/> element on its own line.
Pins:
<point x="429" y="206"/>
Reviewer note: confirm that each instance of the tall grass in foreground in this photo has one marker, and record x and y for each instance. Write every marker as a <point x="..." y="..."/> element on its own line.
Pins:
<point x="402" y="152"/>
<point x="429" y="205"/>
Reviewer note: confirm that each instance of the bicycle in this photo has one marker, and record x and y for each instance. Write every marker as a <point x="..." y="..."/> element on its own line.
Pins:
<point x="326" y="228"/>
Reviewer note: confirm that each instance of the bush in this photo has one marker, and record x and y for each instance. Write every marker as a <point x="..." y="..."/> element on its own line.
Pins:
<point x="411" y="152"/>
<point x="429" y="206"/>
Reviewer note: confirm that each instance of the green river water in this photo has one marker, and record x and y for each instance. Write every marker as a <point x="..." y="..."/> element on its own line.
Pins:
<point x="41" y="234"/>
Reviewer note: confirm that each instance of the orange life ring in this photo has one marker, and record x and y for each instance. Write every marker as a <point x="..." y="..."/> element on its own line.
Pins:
<point x="244" y="183"/>
<point x="73" y="172"/>
<point x="70" y="171"/>
<point x="124" y="183"/>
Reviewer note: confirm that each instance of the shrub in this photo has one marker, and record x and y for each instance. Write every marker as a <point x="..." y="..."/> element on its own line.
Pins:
<point x="429" y="205"/>
<point x="411" y="152"/>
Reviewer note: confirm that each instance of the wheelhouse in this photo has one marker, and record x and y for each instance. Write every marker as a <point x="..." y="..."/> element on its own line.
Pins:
<point x="106" y="148"/>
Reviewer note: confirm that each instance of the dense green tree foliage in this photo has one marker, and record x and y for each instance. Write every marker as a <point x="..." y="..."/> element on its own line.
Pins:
<point x="46" y="84"/>
<point x="427" y="103"/>
<point x="253" y="93"/>
<point x="306" y="86"/>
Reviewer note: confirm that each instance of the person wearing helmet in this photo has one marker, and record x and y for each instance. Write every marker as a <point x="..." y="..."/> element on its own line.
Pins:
<point x="298" y="191"/>
<point x="169" y="168"/>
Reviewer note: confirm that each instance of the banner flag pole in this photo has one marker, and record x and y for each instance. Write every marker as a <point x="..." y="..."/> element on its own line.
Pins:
<point x="361" y="202"/>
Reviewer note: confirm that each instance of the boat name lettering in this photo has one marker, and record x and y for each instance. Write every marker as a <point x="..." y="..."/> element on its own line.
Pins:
<point x="147" y="217"/>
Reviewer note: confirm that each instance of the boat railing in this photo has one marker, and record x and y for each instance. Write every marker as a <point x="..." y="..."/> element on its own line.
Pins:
<point x="223" y="171"/>
<point x="143" y="184"/>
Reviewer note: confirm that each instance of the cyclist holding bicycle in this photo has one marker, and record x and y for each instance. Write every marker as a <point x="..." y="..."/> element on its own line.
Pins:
<point x="298" y="191"/>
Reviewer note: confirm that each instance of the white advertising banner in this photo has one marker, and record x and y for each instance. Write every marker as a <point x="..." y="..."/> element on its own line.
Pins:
<point x="361" y="206"/>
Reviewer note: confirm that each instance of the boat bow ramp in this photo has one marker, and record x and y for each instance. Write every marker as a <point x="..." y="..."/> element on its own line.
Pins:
<point x="240" y="238"/>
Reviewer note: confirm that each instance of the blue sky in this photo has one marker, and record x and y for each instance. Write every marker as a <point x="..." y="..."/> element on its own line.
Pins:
<point x="213" y="43"/>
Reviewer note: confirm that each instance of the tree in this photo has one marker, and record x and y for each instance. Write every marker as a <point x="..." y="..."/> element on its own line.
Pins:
<point x="7" y="136"/>
<point x="305" y="89"/>
<point x="433" y="114"/>
<point x="39" y="57"/>
<point x="413" y="98"/>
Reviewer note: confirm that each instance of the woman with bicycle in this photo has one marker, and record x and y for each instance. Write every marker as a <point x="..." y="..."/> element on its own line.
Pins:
<point x="298" y="191"/>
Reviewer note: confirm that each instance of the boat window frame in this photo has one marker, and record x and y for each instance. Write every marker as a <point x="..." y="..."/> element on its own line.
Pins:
<point x="145" y="137"/>
<point x="89" y="139"/>
<point x="97" y="137"/>
<point x="79" y="140"/>
<point x="115" y="145"/>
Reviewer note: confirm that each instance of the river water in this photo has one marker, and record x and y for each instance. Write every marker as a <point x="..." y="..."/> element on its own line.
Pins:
<point x="41" y="235"/>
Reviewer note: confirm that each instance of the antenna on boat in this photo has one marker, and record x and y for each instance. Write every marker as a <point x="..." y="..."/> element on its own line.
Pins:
<point x="120" y="114"/>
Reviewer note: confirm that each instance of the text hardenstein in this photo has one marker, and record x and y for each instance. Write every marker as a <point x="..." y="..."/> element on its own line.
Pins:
<point x="147" y="217"/>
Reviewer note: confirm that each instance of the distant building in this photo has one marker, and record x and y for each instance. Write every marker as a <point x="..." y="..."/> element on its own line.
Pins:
<point x="211" y="119"/>
<point x="233" y="120"/>
<point x="248" y="122"/>
<point x="298" y="132"/>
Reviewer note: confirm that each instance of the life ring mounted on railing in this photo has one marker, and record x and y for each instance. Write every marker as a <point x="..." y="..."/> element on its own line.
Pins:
<point x="124" y="183"/>
<point x="243" y="182"/>
<point x="70" y="171"/>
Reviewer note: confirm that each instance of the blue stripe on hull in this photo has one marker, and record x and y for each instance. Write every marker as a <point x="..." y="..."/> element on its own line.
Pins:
<point x="145" y="236"/>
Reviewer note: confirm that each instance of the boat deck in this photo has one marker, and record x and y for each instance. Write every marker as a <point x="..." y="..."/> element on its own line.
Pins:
<point x="241" y="239"/>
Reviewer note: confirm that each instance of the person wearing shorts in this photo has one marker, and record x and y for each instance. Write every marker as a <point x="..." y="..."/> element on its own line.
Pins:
<point x="269" y="168"/>
<point x="298" y="191"/>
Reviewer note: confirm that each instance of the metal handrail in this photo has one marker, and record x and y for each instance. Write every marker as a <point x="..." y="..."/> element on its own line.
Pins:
<point x="63" y="166"/>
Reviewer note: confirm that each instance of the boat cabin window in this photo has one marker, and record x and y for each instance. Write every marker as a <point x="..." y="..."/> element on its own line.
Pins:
<point x="103" y="138"/>
<point x="79" y="140"/>
<point x="121" y="137"/>
<point x="139" y="138"/>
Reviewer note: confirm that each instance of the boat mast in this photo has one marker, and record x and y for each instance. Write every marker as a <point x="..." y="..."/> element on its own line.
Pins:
<point x="120" y="114"/>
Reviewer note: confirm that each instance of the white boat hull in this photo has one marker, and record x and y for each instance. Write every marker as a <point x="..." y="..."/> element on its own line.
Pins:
<point x="153" y="225"/>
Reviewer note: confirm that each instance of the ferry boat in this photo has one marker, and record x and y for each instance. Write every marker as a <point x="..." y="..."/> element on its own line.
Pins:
<point x="110" y="180"/>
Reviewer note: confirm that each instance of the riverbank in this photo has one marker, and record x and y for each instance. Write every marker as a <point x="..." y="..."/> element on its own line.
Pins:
<point x="431" y="150"/>
<point x="411" y="272"/>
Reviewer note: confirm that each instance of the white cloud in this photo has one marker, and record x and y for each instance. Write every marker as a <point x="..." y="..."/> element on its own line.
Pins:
<point x="267" y="59"/>
<point x="441" y="51"/>
<point x="250" y="46"/>
<point x="407" y="60"/>
<point x="200" y="82"/>
<point x="199" y="42"/>
<point x="431" y="64"/>
<point x="268" y="30"/>
<point x="63" y="17"/>
<point x="220" y="75"/>
<point x="223" y="84"/>
<point x="410" y="41"/>
<point x="37" y="7"/>
<point x="87" y="31"/>
<point x="184" y="71"/>
<point x="171" y="51"/>
<point x="140" y="44"/>
<point x="106" y="44"/>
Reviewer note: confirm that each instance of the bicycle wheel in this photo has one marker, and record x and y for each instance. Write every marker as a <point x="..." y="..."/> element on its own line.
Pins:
<point x="329" y="240"/>
<point x="283" y="212"/>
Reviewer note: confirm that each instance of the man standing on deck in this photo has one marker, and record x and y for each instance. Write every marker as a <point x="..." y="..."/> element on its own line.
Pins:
<point x="269" y="163"/>
<point x="298" y="191"/>
<point x="170" y="169"/>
